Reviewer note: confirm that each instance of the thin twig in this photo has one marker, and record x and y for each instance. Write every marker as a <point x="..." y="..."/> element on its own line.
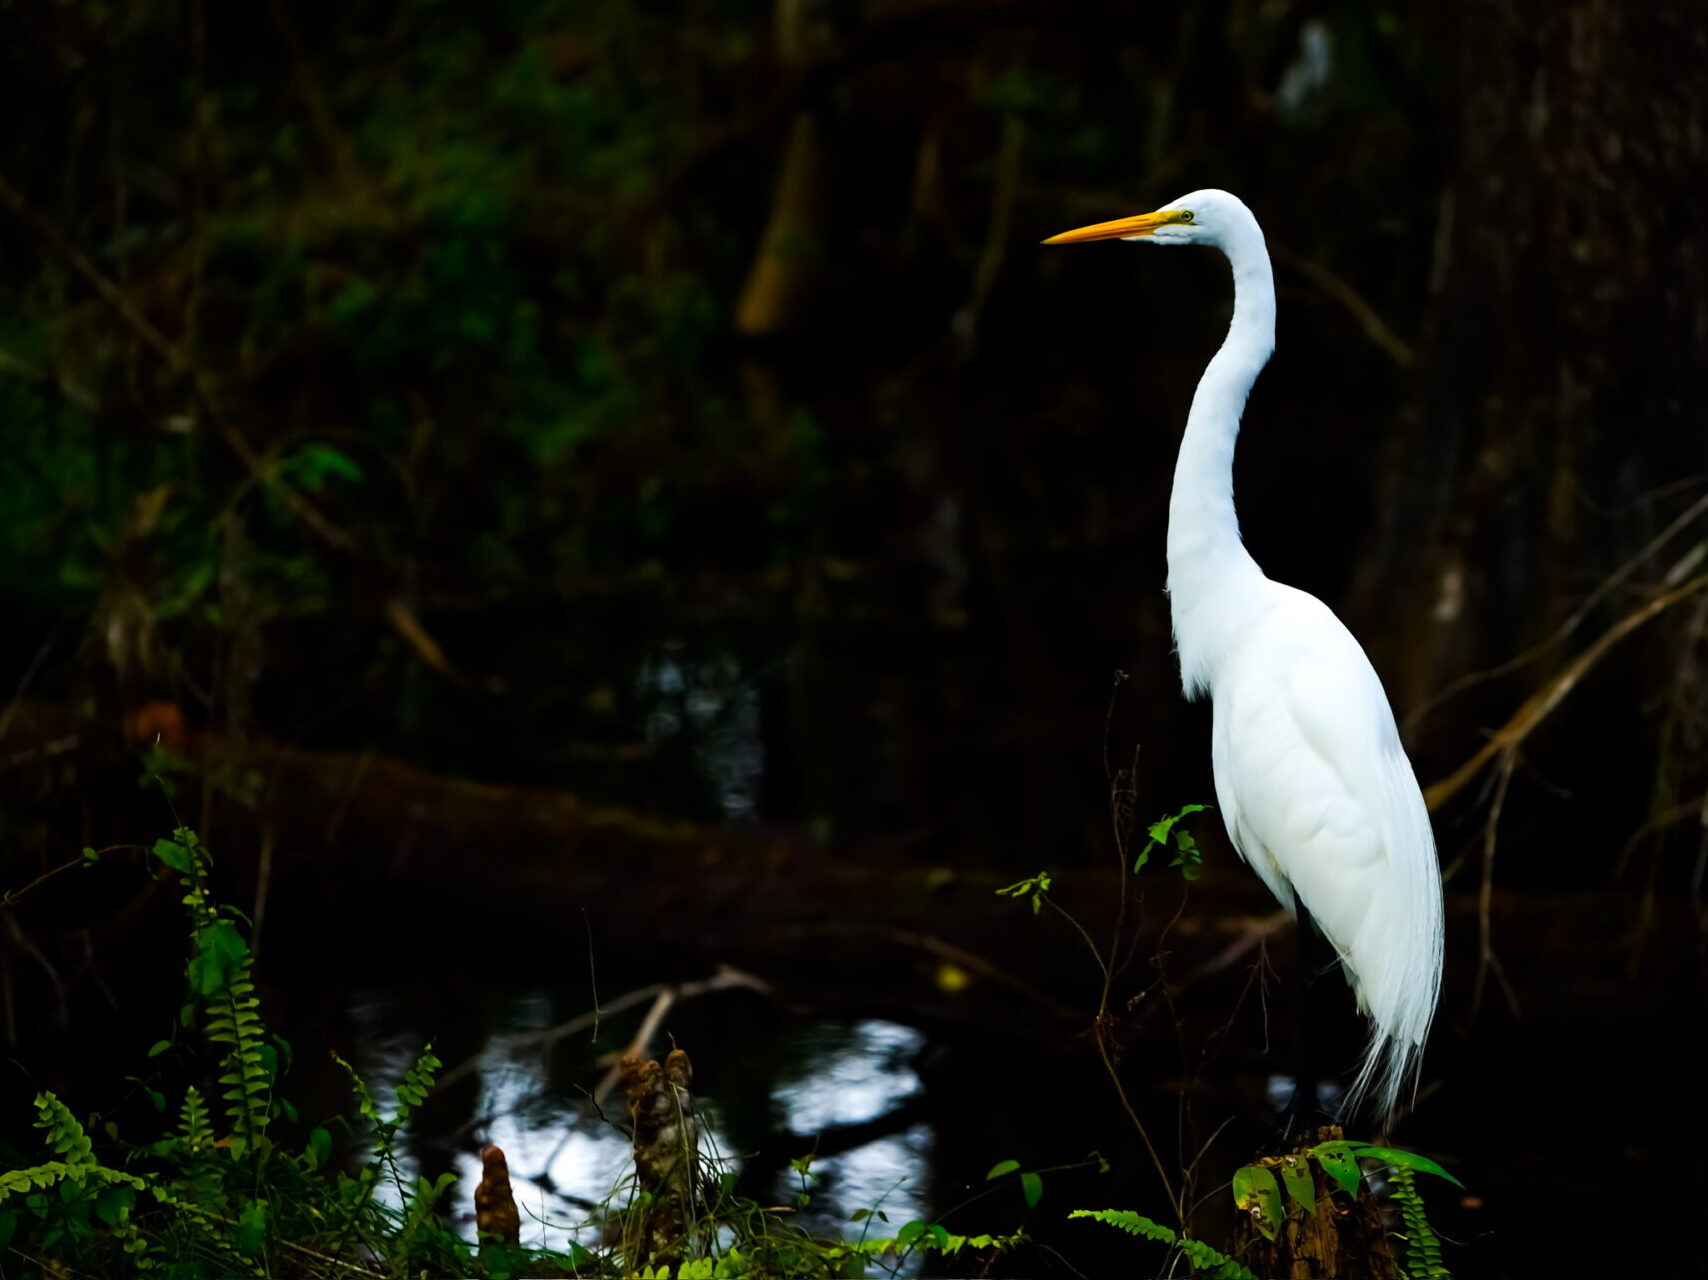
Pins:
<point x="725" y="979"/>
<point x="1250" y="938"/>
<point x="1366" y="316"/>
<point x="11" y="896"/>
<point x="1571" y="624"/>
<point x="1121" y="823"/>
<point x="1486" y="958"/>
<point x="1691" y="808"/>
<point x="639" y="1047"/>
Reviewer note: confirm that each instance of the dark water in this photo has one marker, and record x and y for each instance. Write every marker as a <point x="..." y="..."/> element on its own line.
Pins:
<point x="930" y="747"/>
<point x="1567" y="1114"/>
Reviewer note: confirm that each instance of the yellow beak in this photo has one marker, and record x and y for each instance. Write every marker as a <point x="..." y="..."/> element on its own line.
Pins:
<point x="1121" y="228"/>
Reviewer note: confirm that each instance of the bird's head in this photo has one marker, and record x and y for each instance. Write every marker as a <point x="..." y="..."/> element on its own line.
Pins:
<point x="1209" y="217"/>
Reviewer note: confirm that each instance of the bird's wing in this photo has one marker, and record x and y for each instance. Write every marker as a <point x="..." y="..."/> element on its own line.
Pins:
<point x="1229" y="766"/>
<point x="1318" y="794"/>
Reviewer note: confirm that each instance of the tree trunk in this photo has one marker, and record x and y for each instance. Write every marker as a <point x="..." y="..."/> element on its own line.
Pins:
<point x="1561" y="368"/>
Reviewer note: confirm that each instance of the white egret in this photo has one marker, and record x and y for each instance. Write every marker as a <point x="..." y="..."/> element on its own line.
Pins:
<point x="1312" y="781"/>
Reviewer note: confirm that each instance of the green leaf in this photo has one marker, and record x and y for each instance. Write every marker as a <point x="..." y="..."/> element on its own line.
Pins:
<point x="159" y="1047"/>
<point x="1337" y="1160"/>
<point x="90" y="854"/>
<point x="940" y="1234"/>
<point x="908" y="1232"/>
<point x="1033" y="888"/>
<point x="252" y="1226"/>
<point x="319" y="1149"/>
<point x="1159" y="830"/>
<point x="1257" y="1194"/>
<point x="1032" y="1187"/>
<point x="313" y="464"/>
<point x="1407" y="1160"/>
<point x="114" y="1203"/>
<point x="220" y="953"/>
<point x="1001" y="1170"/>
<point x="1296" y="1177"/>
<point x="174" y="855"/>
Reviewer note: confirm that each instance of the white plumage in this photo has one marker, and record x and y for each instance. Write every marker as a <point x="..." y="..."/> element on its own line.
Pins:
<point x="1311" y="778"/>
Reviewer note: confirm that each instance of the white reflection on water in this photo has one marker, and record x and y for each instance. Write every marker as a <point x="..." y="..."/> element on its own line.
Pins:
<point x="851" y="1074"/>
<point x="561" y="1158"/>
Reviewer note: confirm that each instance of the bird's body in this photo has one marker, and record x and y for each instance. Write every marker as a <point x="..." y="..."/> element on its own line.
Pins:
<point x="1311" y="778"/>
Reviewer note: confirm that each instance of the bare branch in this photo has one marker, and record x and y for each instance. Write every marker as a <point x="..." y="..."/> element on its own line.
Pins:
<point x="1542" y="703"/>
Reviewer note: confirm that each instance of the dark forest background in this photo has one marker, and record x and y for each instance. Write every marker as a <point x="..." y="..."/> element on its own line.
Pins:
<point x="670" y="405"/>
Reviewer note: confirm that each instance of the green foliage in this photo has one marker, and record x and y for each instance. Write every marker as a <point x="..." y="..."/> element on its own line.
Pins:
<point x="1340" y="1158"/>
<point x="226" y="1194"/>
<point x="1033" y="890"/>
<point x="1201" y="1255"/>
<point x="64" y="1134"/>
<point x="1258" y="1194"/>
<point x="1338" y="1162"/>
<point x="211" y="1199"/>
<point x="195" y="1126"/>
<point x="222" y="992"/>
<point x="1166" y="832"/>
<point x="1423" y="1249"/>
<point x="1030" y="1180"/>
<point x="732" y="1236"/>
<point x="1300" y="1186"/>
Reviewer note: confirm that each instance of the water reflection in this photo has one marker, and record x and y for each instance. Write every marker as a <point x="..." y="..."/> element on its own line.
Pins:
<point x="850" y="1074"/>
<point x="566" y="1159"/>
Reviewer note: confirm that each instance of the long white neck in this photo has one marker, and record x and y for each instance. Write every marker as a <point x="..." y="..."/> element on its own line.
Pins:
<point x="1214" y="585"/>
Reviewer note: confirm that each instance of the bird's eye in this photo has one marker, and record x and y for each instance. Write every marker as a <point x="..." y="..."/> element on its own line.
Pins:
<point x="1186" y="215"/>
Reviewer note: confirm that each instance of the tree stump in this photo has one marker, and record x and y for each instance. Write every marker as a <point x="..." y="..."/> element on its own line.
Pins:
<point x="495" y="1216"/>
<point x="667" y="1149"/>
<point x="1341" y="1239"/>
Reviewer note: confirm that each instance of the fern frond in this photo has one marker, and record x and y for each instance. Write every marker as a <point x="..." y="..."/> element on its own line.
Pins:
<point x="233" y="1021"/>
<point x="420" y="1212"/>
<point x="1423" y="1247"/>
<point x="37" y="1177"/>
<point x="195" y="1125"/>
<point x="52" y="1172"/>
<point x="1202" y="1256"/>
<point x="416" y="1084"/>
<point x="64" y="1132"/>
<point x="1135" y="1224"/>
<point x="364" y="1096"/>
